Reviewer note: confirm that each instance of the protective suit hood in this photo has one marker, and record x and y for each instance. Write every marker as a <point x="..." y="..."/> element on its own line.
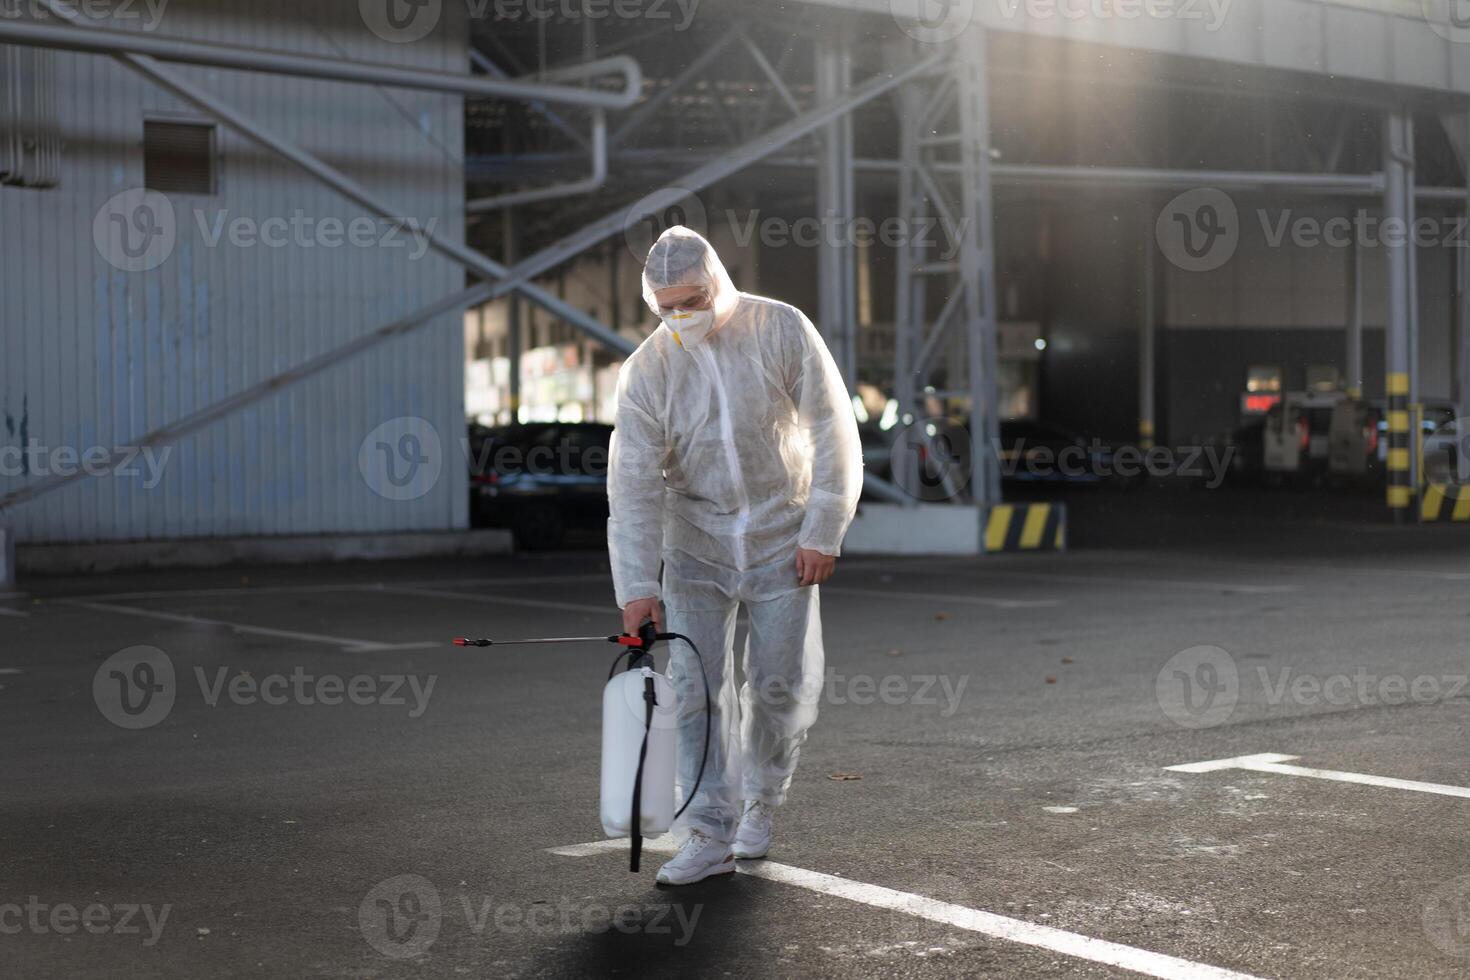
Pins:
<point x="682" y="257"/>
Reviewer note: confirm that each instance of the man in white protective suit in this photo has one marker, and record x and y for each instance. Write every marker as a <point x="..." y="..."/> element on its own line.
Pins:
<point x="735" y="462"/>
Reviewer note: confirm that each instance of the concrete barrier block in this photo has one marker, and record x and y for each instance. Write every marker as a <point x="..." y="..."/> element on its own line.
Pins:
<point x="924" y="529"/>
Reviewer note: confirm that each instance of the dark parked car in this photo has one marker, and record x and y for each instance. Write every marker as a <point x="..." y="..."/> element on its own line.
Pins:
<point x="539" y="479"/>
<point x="1039" y="452"/>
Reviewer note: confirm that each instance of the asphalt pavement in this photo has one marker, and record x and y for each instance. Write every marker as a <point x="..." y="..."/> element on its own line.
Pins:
<point x="299" y="776"/>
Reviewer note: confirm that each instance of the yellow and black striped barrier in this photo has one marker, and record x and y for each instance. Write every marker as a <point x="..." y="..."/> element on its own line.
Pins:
<point x="1399" y="483"/>
<point x="1026" y="527"/>
<point x="1445" y="502"/>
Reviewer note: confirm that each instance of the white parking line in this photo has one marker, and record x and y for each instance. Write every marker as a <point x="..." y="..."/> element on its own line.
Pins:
<point x="207" y="593"/>
<point x="345" y="643"/>
<point x="974" y="600"/>
<point x="17" y="613"/>
<point x="1129" y="581"/>
<point x="1375" y="571"/>
<point x="236" y="590"/>
<point x="971" y="920"/>
<point x="608" y="609"/>
<point x="1273" y="762"/>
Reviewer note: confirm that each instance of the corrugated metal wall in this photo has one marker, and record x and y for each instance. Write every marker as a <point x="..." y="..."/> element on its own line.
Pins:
<point x="91" y="355"/>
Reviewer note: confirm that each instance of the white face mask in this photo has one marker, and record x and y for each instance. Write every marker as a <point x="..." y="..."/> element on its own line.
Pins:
<point x="689" y="327"/>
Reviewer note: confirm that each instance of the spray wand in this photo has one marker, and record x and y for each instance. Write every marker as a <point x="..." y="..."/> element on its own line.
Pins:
<point x="639" y="654"/>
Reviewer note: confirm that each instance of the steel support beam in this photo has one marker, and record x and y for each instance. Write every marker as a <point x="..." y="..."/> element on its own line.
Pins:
<point x="1034" y="174"/>
<point x="94" y="40"/>
<point x="1462" y="294"/>
<point x="977" y="263"/>
<point x="908" y="288"/>
<point x="717" y="168"/>
<point x="1042" y="175"/>
<point x="836" y="265"/>
<point x="1396" y="347"/>
<point x="1411" y="253"/>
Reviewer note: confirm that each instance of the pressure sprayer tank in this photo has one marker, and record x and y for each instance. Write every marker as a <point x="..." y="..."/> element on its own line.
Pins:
<point x="624" y="713"/>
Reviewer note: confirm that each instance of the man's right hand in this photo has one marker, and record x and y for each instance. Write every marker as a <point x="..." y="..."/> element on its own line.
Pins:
<point x="639" y="610"/>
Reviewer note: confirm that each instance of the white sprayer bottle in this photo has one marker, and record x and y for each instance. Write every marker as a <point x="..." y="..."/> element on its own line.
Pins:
<point x="625" y="723"/>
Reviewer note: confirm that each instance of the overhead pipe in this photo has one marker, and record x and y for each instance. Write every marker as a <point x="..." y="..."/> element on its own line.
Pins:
<point x="586" y="185"/>
<point x="95" y="40"/>
<point x="495" y="71"/>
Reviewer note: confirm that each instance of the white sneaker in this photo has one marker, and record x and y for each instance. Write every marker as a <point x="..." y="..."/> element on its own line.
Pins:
<point x="700" y="857"/>
<point x="753" y="839"/>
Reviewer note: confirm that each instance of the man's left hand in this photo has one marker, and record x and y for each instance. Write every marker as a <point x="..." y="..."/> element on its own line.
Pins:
<point x="813" y="567"/>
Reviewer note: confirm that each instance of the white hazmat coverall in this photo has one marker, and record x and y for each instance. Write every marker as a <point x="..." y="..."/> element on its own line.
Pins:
<point x="735" y="444"/>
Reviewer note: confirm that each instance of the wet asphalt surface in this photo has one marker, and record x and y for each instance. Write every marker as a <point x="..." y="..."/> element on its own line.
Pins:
<point x="1010" y="721"/>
